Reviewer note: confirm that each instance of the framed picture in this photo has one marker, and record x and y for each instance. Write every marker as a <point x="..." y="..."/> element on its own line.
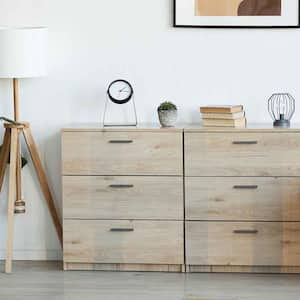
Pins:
<point x="237" y="13"/>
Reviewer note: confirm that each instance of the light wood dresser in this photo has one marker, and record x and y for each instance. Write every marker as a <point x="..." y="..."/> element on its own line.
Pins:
<point x="190" y="198"/>
<point x="242" y="197"/>
<point x="123" y="199"/>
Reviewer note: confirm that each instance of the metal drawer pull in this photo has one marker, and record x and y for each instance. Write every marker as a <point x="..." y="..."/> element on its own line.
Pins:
<point x="120" y="141"/>
<point x="245" y="231"/>
<point x="121" y="186"/>
<point x="121" y="229"/>
<point x="245" y="142"/>
<point x="246" y="187"/>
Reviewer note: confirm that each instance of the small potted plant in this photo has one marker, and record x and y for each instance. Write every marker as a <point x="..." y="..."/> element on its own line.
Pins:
<point x="167" y="113"/>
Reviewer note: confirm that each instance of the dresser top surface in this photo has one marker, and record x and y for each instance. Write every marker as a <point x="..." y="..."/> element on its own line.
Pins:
<point x="196" y="127"/>
<point x="251" y="127"/>
<point x="140" y="127"/>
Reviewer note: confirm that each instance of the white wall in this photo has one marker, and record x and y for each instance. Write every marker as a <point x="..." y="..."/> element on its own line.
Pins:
<point x="95" y="41"/>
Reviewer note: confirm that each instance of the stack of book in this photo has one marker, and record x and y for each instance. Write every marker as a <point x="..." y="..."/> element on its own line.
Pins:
<point x="223" y="116"/>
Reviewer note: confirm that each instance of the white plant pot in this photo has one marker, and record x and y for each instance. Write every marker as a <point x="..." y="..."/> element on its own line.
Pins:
<point x="167" y="118"/>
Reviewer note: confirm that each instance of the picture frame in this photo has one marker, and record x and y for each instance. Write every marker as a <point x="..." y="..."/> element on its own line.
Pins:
<point x="187" y="14"/>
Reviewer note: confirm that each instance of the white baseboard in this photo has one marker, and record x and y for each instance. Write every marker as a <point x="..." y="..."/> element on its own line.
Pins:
<point x="33" y="254"/>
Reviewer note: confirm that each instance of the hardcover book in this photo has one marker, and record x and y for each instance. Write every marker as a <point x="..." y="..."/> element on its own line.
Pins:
<point x="232" y="116"/>
<point x="225" y="109"/>
<point x="238" y="123"/>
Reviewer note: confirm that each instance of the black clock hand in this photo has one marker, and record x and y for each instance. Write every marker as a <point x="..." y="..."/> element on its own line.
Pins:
<point x="123" y="89"/>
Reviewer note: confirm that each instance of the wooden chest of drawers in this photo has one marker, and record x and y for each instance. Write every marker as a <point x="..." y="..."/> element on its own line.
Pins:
<point x="242" y="199"/>
<point x="194" y="199"/>
<point x="123" y="199"/>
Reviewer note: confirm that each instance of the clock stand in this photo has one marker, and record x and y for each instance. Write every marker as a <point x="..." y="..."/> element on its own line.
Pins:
<point x="107" y="124"/>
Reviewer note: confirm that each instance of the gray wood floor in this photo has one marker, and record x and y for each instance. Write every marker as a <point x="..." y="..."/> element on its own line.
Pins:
<point x="40" y="280"/>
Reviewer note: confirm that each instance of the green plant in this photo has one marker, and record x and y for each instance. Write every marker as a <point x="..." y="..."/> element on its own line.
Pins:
<point x="24" y="160"/>
<point x="10" y="121"/>
<point x="167" y="106"/>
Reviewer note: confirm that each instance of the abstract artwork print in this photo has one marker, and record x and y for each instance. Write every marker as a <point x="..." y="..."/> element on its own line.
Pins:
<point x="236" y="13"/>
<point x="237" y="7"/>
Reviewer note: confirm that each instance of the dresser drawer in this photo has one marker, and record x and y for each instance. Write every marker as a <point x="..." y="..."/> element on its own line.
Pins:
<point x="243" y="243"/>
<point x="122" y="153"/>
<point x="242" y="154"/>
<point x="123" y="197"/>
<point x="132" y="242"/>
<point x="243" y="198"/>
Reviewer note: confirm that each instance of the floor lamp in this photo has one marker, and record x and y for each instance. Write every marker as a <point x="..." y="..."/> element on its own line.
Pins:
<point x="22" y="55"/>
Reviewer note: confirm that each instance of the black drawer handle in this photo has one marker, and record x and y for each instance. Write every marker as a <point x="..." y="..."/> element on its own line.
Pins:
<point x="121" y="229"/>
<point x="120" y="141"/>
<point x="246" y="187"/>
<point x="245" y="231"/>
<point x="121" y="186"/>
<point x="245" y="142"/>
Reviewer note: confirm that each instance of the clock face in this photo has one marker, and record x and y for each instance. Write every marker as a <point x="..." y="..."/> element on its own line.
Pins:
<point x="120" y="91"/>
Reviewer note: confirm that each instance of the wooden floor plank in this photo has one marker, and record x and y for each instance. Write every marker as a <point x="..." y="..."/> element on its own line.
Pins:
<point x="46" y="281"/>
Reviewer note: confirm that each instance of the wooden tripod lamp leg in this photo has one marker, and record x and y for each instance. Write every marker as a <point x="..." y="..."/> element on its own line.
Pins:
<point x="4" y="155"/>
<point x="43" y="180"/>
<point x="11" y="198"/>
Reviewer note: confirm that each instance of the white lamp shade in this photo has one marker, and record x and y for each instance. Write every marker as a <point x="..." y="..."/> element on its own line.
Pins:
<point x="23" y="52"/>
